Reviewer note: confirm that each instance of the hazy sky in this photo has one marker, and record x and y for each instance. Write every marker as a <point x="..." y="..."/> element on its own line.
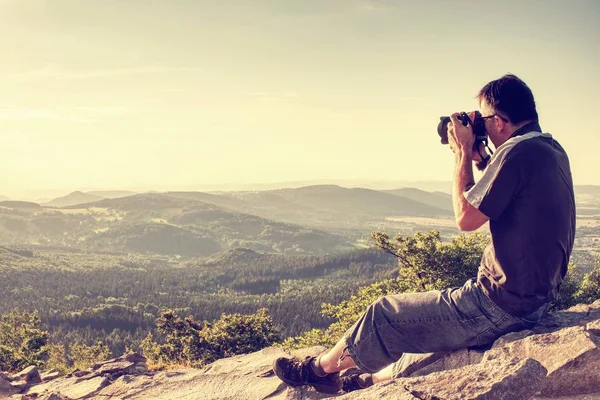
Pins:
<point x="166" y="94"/>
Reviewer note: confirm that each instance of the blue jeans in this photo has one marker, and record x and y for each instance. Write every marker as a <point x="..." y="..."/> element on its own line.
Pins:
<point x="429" y="322"/>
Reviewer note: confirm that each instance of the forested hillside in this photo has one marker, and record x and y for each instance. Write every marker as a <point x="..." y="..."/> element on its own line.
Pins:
<point x="118" y="297"/>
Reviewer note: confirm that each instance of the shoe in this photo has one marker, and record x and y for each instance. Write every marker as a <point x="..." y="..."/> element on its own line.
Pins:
<point x="350" y="383"/>
<point x="296" y="373"/>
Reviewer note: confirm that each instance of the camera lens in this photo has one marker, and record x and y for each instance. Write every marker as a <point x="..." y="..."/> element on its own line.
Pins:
<point x="443" y="129"/>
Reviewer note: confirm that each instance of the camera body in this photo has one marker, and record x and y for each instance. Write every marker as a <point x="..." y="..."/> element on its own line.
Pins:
<point x="478" y="125"/>
<point x="479" y="132"/>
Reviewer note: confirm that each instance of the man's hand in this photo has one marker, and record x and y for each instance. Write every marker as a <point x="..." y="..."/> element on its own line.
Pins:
<point x="460" y="137"/>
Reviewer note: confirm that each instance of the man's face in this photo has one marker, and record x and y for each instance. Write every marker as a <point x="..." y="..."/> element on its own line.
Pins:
<point x="491" y="124"/>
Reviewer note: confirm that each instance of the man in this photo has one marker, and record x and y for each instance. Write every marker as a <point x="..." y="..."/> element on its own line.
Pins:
<point x="526" y="193"/>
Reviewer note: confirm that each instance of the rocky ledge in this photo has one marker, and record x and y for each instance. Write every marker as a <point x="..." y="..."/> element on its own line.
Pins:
<point x="560" y="358"/>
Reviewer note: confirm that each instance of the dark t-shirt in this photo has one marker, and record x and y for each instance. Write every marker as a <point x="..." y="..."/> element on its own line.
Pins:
<point x="527" y="192"/>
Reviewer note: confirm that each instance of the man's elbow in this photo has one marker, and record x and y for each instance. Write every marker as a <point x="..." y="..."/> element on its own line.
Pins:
<point x="466" y="225"/>
<point x="470" y="223"/>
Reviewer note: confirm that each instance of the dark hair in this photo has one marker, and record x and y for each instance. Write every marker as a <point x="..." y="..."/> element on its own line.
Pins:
<point x="511" y="97"/>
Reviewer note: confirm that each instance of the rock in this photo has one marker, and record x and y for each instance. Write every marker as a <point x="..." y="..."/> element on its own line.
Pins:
<point x="452" y="360"/>
<point x="54" y="386"/>
<point x="7" y="389"/>
<point x="49" y="375"/>
<point x="52" y="396"/>
<point x="571" y="356"/>
<point x="511" y="337"/>
<point x="575" y="316"/>
<point x="497" y="379"/>
<point x="130" y="364"/>
<point x="593" y="327"/>
<point x="30" y="375"/>
<point x="85" y="388"/>
<point x="592" y="396"/>
<point x="244" y="377"/>
<point x="22" y="384"/>
<point x="5" y="377"/>
<point x="55" y="397"/>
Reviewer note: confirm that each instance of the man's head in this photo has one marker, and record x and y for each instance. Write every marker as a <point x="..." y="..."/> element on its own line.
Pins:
<point x="506" y="105"/>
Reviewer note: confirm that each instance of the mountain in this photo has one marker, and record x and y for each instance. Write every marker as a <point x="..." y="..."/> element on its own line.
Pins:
<point x="24" y="205"/>
<point x="144" y="202"/>
<point x="111" y="194"/>
<point x="329" y="207"/>
<point x="4" y="198"/>
<point x="218" y="199"/>
<point x="171" y="224"/>
<point x="72" y="199"/>
<point x="359" y="201"/>
<point x="593" y="190"/>
<point x="435" y="199"/>
<point x="157" y="238"/>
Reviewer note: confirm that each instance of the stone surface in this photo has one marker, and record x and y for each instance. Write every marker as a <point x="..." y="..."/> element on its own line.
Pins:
<point x="575" y="316"/>
<point x="593" y="327"/>
<point x="30" y="375"/>
<point x="7" y="389"/>
<point x="49" y="375"/>
<point x="453" y="360"/>
<point x="511" y="337"/>
<point x="592" y="396"/>
<point x="571" y="356"/>
<point x="85" y="389"/>
<point x="499" y="380"/>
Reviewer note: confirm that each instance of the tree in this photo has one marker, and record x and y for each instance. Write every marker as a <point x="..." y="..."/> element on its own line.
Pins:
<point x="191" y="343"/>
<point x="426" y="263"/>
<point x="22" y="343"/>
<point x="589" y="290"/>
<point x="83" y="356"/>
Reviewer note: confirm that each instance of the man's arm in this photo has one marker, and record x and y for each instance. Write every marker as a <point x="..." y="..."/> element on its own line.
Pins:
<point x="468" y="218"/>
<point x="461" y="140"/>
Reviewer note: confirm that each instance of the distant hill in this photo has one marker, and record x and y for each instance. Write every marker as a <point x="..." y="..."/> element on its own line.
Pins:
<point x="144" y="201"/>
<point x="4" y="198"/>
<point x="20" y="204"/>
<point x="212" y="198"/>
<point x="111" y="194"/>
<point x="331" y="207"/>
<point x="435" y="199"/>
<point x="158" y="238"/>
<point x="359" y="201"/>
<point x="72" y="199"/>
<point x="592" y="190"/>
<point x="175" y="224"/>
<point x="237" y="262"/>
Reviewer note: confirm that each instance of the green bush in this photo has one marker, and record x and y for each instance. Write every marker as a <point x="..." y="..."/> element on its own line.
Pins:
<point x="22" y="342"/>
<point x="188" y="342"/>
<point x="426" y="263"/>
<point x="83" y="356"/>
<point x="589" y="289"/>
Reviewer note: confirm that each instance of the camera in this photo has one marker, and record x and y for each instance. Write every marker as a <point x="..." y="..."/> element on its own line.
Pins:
<point x="479" y="132"/>
<point x="478" y="127"/>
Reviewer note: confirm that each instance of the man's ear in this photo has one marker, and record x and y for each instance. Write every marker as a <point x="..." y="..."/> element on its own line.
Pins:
<point x="501" y="125"/>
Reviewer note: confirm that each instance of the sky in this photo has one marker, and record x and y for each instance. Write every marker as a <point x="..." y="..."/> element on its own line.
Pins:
<point x="184" y="94"/>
